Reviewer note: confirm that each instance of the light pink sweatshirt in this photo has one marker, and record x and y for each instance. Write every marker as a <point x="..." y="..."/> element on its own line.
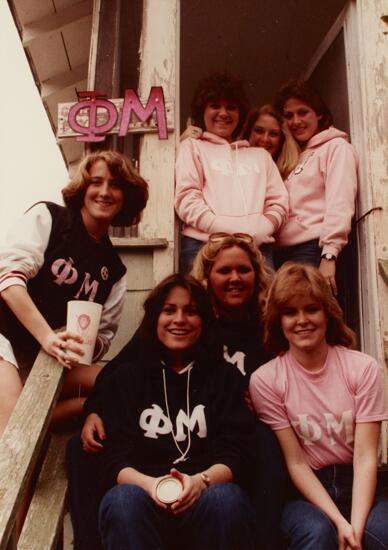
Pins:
<point x="322" y="190"/>
<point x="227" y="187"/>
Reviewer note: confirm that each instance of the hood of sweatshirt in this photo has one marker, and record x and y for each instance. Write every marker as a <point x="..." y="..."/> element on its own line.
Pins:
<point x="212" y="138"/>
<point x="325" y="136"/>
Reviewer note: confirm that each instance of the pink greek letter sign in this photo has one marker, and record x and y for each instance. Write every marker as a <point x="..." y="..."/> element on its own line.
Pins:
<point x="102" y="114"/>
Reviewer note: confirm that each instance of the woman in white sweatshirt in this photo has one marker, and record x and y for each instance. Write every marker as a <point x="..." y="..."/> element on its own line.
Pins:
<point x="223" y="184"/>
<point x="322" y="187"/>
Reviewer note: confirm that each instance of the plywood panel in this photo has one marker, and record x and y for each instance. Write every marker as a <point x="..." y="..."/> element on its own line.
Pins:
<point x="139" y="268"/>
<point x="132" y="314"/>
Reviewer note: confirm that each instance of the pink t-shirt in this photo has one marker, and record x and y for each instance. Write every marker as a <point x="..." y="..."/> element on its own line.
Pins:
<point x="323" y="406"/>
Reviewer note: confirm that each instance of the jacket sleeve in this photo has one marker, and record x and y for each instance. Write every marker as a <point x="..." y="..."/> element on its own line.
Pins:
<point x="118" y="414"/>
<point x="189" y="182"/>
<point x="23" y="255"/>
<point x="110" y="317"/>
<point x="340" y="196"/>
<point x="130" y="352"/>
<point x="234" y="436"/>
<point x="276" y="199"/>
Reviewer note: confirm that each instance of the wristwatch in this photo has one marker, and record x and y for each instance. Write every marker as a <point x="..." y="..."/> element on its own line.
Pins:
<point x="329" y="257"/>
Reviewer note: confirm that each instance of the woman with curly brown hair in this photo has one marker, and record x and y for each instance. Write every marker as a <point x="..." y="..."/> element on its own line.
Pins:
<point x="223" y="184"/>
<point x="60" y="253"/>
<point x="325" y="403"/>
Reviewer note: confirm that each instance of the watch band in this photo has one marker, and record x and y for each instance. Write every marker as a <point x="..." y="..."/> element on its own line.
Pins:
<point x="329" y="256"/>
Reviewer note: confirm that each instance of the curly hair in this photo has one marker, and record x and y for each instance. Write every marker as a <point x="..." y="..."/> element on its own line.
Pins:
<point x="207" y="255"/>
<point x="300" y="279"/>
<point x="217" y="87"/>
<point x="134" y="187"/>
<point x="302" y="90"/>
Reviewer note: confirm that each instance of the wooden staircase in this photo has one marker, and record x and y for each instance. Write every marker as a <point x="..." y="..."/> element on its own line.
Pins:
<point x="21" y="447"/>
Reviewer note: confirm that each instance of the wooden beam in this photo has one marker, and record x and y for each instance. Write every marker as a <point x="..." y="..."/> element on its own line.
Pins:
<point x="22" y="439"/>
<point x="159" y="56"/>
<point x="68" y="78"/>
<point x="43" y="526"/>
<point x="57" y="21"/>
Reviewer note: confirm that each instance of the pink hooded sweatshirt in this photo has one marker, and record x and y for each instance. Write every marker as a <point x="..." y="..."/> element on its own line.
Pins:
<point x="322" y="190"/>
<point x="227" y="187"/>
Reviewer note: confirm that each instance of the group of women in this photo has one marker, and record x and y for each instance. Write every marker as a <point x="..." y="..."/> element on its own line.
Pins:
<point x="226" y="182"/>
<point x="235" y="374"/>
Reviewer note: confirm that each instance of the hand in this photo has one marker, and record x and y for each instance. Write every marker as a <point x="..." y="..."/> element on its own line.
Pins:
<point x="346" y="536"/>
<point x="327" y="268"/>
<point x="58" y="344"/>
<point x="248" y="401"/>
<point x="273" y="219"/>
<point x="191" y="132"/>
<point x="92" y="425"/>
<point x="193" y="487"/>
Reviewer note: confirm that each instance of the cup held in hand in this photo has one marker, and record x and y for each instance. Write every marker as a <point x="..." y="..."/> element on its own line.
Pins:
<point x="83" y="318"/>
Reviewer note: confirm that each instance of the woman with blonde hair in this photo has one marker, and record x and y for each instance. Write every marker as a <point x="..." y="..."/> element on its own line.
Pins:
<point x="237" y="280"/>
<point x="264" y="127"/>
<point x="325" y="403"/>
<point x="59" y="253"/>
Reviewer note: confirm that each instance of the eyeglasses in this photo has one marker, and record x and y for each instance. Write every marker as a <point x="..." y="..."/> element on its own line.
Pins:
<point x="220" y="236"/>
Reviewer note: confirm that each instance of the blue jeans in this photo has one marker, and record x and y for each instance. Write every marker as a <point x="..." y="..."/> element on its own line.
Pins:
<point x="310" y="529"/>
<point x="303" y="253"/>
<point x="188" y="250"/>
<point x="268" y="488"/>
<point x="222" y="518"/>
<point x="84" y="494"/>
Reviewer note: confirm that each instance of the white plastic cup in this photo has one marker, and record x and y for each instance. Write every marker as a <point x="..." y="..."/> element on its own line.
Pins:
<point x="168" y="489"/>
<point x="83" y="318"/>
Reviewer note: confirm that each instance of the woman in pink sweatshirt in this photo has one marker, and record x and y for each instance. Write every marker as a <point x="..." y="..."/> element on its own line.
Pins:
<point x="322" y="187"/>
<point x="223" y="184"/>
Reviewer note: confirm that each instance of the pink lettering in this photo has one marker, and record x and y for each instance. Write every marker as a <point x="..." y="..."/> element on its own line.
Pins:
<point x="64" y="271"/>
<point x="93" y="101"/>
<point x="155" y="102"/>
<point x="87" y="287"/>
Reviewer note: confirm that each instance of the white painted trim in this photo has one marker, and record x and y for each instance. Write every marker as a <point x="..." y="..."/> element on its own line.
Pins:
<point x="94" y="44"/>
<point x="331" y="35"/>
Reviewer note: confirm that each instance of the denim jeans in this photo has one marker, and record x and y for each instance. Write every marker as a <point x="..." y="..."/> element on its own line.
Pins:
<point x="84" y="495"/>
<point x="222" y="518"/>
<point x="303" y="253"/>
<point x="188" y="250"/>
<point x="268" y="488"/>
<point x="310" y="529"/>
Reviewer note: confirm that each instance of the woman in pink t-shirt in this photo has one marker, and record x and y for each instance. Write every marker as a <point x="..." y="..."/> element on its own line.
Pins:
<point x="325" y="403"/>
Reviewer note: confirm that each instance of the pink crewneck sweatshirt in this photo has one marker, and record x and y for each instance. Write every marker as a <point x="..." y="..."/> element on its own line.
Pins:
<point x="227" y="187"/>
<point x="322" y="190"/>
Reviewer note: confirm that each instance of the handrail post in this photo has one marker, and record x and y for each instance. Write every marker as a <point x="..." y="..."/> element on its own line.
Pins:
<point x="24" y="435"/>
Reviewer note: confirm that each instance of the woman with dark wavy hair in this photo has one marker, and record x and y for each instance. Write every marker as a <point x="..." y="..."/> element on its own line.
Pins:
<point x="61" y="253"/>
<point x="325" y="403"/>
<point x="223" y="184"/>
<point x="175" y="414"/>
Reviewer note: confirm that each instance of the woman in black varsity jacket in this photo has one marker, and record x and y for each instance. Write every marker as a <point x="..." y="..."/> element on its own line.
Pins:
<point x="55" y="254"/>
